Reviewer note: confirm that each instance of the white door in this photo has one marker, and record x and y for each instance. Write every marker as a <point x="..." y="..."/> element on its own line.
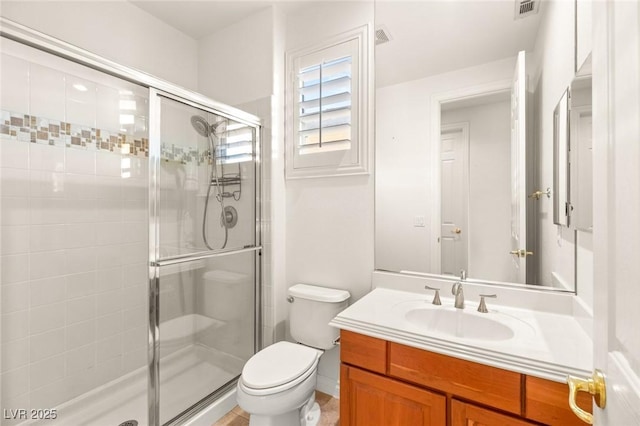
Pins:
<point x="616" y="141"/>
<point x="518" y="172"/>
<point x="454" y="195"/>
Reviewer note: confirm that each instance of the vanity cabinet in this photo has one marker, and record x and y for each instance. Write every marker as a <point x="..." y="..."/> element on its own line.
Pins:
<point x="464" y="414"/>
<point x="380" y="401"/>
<point x="386" y="383"/>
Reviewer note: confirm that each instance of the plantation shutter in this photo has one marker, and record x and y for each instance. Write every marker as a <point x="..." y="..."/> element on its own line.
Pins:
<point x="325" y="106"/>
<point x="328" y="112"/>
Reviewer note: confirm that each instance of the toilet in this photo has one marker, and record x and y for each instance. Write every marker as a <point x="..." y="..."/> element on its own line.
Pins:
<point x="277" y="385"/>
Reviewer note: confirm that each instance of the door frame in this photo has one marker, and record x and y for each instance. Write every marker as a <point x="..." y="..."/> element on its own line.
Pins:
<point x="436" y="102"/>
<point x="463" y="128"/>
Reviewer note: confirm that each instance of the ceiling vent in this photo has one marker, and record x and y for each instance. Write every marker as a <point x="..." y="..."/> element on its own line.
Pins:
<point x="382" y="35"/>
<point x="525" y="8"/>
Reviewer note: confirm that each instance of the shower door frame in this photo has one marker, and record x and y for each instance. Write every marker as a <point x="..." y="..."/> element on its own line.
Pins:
<point x="155" y="262"/>
<point x="22" y="34"/>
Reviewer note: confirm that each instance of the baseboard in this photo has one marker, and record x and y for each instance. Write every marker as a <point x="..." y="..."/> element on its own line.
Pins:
<point x="328" y="385"/>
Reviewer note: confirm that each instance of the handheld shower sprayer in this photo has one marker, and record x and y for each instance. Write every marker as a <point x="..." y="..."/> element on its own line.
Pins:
<point x="228" y="215"/>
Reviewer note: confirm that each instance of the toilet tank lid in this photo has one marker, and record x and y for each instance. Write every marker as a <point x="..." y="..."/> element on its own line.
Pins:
<point x="320" y="294"/>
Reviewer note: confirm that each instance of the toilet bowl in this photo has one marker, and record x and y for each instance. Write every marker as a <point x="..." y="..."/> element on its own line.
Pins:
<point x="277" y="385"/>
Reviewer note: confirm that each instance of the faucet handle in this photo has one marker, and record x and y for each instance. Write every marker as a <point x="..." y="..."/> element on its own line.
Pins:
<point x="483" y="306"/>
<point x="436" y="296"/>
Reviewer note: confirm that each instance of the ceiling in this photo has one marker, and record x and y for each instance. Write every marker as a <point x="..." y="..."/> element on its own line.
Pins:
<point x="198" y="19"/>
<point x="428" y="36"/>
<point x="433" y="37"/>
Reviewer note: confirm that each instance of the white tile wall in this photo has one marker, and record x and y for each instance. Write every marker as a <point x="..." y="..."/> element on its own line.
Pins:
<point x="15" y="354"/>
<point x="14" y="78"/>
<point x="107" y="117"/>
<point x="15" y="182"/>
<point x="13" y="155"/>
<point x="46" y="157"/>
<point x="73" y="250"/>
<point x="47" y="93"/>
<point x="80" y="97"/>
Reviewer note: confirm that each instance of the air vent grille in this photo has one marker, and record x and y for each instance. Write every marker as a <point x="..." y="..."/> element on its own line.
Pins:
<point x="525" y="8"/>
<point x="382" y="35"/>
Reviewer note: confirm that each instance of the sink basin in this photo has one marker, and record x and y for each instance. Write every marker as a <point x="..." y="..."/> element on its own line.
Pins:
<point x="459" y="323"/>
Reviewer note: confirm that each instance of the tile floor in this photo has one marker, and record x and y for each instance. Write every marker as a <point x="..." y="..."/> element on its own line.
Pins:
<point x="329" y="407"/>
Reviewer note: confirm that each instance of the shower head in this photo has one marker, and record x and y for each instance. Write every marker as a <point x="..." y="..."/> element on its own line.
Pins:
<point x="200" y="125"/>
<point x="203" y="128"/>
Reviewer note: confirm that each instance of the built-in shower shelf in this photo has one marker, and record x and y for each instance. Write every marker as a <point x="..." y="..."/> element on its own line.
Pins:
<point x="230" y="185"/>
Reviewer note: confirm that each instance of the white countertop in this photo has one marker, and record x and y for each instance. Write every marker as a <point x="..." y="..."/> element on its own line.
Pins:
<point x="548" y="345"/>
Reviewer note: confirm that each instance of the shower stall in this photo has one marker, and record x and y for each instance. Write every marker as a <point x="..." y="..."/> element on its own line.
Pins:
<point x="131" y="241"/>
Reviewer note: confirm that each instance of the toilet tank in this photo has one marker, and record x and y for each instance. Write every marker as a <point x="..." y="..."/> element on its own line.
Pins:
<point x="310" y="310"/>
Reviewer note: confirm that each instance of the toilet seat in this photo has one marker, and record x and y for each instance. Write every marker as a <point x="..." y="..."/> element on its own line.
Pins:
<point x="278" y="367"/>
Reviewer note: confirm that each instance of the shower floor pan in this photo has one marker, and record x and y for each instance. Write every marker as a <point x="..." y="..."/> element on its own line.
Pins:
<point x="187" y="376"/>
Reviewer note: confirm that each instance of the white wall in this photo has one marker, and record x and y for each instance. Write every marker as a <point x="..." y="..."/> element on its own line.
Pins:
<point x="235" y="63"/>
<point x="276" y="198"/>
<point x="116" y="30"/>
<point x="329" y="229"/>
<point x="329" y="220"/>
<point x="489" y="229"/>
<point x="403" y="149"/>
<point x="554" y="63"/>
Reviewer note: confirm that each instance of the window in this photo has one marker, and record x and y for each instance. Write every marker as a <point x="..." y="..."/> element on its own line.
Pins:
<point x="328" y="112"/>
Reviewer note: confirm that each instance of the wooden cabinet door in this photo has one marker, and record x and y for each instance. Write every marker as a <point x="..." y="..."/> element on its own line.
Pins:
<point x="548" y="402"/>
<point x="367" y="399"/>
<point x="463" y="414"/>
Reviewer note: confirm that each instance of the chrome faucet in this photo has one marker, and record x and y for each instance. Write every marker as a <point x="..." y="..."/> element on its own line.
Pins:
<point x="456" y="290"/>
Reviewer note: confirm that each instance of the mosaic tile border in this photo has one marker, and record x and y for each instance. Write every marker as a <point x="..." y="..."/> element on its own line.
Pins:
<point x="184" y="155"/>
<point x="29" y="128"/>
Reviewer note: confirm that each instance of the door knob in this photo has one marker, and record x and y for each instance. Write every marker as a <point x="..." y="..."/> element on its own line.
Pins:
<point x="595" y="385"/>
<point x="456" y="230"/>
<point x="521" y="253"/>
<point x="537" y="194"/>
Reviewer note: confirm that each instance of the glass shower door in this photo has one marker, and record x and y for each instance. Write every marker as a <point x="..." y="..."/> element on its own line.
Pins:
<point x="206" y="251"/>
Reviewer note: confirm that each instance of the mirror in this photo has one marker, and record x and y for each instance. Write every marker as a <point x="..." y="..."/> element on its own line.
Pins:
<point x="456" y="187"/>
<point x="561" y="206"/>
<point x="572" y="154"/>
<point x="580" y="150"/>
